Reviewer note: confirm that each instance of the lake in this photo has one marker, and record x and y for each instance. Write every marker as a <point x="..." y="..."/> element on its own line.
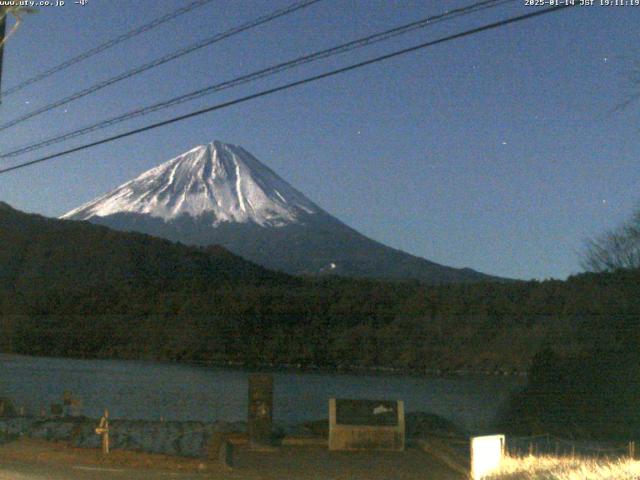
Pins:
<point x="150" y="390"/>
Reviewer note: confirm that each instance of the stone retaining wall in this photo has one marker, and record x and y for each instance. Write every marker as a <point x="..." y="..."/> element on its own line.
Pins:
<point x="171" y="438"/>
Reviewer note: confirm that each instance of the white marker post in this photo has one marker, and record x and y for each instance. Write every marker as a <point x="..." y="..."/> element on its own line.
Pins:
<point x="103" y="429"/>
<point x="487" y="453"/>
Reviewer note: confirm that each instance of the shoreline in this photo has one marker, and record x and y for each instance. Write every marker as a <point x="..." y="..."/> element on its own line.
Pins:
<point x="306" y="369"/>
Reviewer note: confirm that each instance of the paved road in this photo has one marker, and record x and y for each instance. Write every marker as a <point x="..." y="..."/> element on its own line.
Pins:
<point x="22" y="471"/>
<point x="30" y="460"/>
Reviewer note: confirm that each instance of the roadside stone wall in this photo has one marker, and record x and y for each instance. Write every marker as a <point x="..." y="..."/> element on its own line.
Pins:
<point x="190" y="439"/>
<point x="171" y="438"/>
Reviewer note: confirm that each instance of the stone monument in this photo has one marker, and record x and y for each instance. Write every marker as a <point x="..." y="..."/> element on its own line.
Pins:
<point x="260" y="417"/>
<point x="366" y="425"/>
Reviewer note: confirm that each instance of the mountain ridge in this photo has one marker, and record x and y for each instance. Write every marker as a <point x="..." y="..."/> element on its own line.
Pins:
<point x="76" y="289"/>
<point x="221" y="194"/>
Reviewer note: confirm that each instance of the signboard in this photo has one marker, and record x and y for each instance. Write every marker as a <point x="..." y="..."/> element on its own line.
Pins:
<point x="366" y="424"/>
<point x="366" y="412"/>
<point x="260" y="417"/>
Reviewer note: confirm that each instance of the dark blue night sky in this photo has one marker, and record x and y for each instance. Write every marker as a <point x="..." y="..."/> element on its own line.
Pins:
<point x="501" y="151"/>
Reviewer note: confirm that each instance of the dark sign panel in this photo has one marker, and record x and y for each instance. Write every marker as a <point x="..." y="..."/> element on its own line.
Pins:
<point x="377" y="413"/>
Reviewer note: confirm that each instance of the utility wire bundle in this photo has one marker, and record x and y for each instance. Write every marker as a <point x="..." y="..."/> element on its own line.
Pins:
<point x="160" y="61"/>
<point x="259" y="74"/>
<point x="359" y="43"/>
<point x="105" y="46"/>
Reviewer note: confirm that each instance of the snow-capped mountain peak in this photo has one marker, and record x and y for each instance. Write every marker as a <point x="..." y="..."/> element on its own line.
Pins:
<point x="220" y="194"/>
<point x="218" y="179"/>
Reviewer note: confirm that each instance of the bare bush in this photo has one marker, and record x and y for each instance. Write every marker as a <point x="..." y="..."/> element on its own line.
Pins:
<point x="615" y="250"/>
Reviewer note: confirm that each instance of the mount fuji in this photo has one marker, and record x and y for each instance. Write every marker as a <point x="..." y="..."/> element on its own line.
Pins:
<point x="221" y="194"/>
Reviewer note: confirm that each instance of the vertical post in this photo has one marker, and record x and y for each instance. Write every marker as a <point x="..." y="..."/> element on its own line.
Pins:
<point x="225" y="454"/>
<point x="105" y="437"/>
<point x="632" y="450"/>
<point x="530" y="449"/>
<point x="401" y="424"/>
<point x="260" y="409"/>
<point x="103" y="429"/>
<point x="3" y="28"/>
<point x="66" y="402"/>
<point x="332" y="421"/>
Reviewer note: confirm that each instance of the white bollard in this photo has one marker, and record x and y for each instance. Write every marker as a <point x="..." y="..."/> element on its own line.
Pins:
<point x="486" y="455"/>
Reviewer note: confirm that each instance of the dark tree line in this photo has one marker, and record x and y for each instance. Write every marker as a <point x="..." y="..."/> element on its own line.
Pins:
<point x="79" y="290"/>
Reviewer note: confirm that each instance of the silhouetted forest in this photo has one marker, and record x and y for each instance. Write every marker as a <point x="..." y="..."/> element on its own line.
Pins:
<point x="76" y="289"/>
<point x="588" y="394"/>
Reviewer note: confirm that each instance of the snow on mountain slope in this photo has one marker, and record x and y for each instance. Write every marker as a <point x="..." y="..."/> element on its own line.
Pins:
<point x="220" y="180"/>
<point x="219" y="194"/>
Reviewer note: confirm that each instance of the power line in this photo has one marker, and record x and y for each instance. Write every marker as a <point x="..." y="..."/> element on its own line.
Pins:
<point x="263" y="93"/>
<point x="322" y="54"/>
<point x="162" y="60"/>
<point x="105" y="46"/>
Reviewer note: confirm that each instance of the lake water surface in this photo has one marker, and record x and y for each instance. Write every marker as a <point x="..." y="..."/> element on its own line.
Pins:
<point x="149" y="390"/>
